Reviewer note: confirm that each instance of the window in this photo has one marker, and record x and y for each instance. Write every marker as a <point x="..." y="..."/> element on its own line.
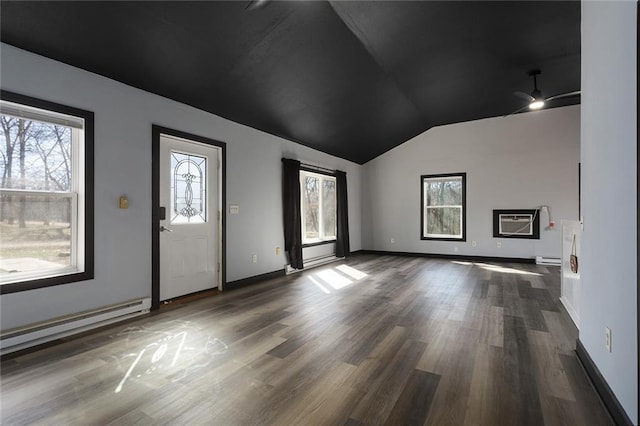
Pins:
<point x="46" y="193"/>
<point x="443" y="203"/>
<point x="318" y="207"/>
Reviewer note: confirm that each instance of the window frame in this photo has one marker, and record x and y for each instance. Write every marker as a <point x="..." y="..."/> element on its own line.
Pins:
<point x="304" y="171"/>
<point x="84" y="239"/>
<point x="463" y="206"/>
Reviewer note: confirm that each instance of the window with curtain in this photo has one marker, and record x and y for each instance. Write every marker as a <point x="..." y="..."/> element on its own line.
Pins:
<point x="315" y="210"/>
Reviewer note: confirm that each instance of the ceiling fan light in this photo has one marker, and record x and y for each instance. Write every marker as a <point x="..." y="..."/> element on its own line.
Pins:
<point x="537" y="104"/>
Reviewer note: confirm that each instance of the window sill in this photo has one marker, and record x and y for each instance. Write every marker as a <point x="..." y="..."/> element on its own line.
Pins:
<point x="32" y="284"/>
<point x="461" y="239"/>
<point x="318" y="243"/>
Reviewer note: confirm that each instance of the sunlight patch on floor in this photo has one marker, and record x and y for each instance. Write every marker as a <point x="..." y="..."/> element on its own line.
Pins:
<point x="336" y="278"/>
<point x="505" y="270"/>
<point x="320" y="286"/>
<point x="496" y="268"/>
<point x="352" y="272"/>
<point x="333" y="278"/>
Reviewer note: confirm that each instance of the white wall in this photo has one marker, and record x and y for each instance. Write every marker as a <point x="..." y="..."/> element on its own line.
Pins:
<point x="609" y="168"/>
<point x="518" y="162"/>
<point x="123" y="120"/>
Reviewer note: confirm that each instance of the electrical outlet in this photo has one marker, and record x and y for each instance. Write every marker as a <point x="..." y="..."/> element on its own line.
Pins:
<point x="473" y="244"/>
<point x="499" y="244"/>
<point x="393" y="240"/>
<point x="607" y="336"/>
<point x="254" y="258"/>
<point x="277" y="251"/>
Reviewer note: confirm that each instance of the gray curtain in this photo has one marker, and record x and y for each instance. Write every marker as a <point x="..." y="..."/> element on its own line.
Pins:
<point x="342" y="232"/>
<point x="292" y="213"/>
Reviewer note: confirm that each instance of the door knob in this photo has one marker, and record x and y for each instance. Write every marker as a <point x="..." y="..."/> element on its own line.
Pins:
<point x="162" y="229"/>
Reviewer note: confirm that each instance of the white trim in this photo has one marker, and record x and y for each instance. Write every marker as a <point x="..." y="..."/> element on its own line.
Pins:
<point x="35" y="193"/>
<point x="30" y="113"/>
<point x="572" y="313"/>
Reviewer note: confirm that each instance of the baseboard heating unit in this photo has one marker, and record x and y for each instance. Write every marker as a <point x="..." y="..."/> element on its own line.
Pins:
<point x="35" y="334"/>
<point x="549" y="261"/>
<point x="312" y="263"/>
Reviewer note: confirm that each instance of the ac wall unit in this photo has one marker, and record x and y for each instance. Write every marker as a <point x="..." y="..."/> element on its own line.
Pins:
<point x="516" y="224"/>
<point x="521" y="224"/>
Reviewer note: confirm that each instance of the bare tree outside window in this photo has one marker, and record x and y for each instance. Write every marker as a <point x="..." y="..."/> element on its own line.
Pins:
<point x="36" y="156"/>
<point x="311" y="202"/>
<point x="318" y="206"/>
<point x="329" y="207"/>
<point x="46" y="193"/>
<point x="443" y="201"/>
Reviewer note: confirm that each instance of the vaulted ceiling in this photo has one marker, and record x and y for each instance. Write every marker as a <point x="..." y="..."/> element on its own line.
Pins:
<point x="353" y="79"/>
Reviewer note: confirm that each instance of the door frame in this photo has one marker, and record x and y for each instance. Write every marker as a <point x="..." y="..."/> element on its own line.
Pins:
<point x="157" y="131"/>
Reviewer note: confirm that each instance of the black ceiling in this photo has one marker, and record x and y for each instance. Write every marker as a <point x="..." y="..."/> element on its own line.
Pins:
<point x="353" y="79"/>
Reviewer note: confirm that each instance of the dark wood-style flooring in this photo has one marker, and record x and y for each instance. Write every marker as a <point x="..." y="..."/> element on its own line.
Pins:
<point x="373" y="340"/>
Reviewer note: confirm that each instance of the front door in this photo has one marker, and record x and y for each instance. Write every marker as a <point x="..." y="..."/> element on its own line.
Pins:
<point x="189" y="214"/>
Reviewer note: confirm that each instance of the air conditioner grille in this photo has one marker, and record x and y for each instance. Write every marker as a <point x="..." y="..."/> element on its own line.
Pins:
<point x="516" y="225"/>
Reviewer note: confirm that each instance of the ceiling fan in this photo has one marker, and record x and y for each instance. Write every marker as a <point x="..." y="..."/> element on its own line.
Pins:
<point x="535" y="100"/>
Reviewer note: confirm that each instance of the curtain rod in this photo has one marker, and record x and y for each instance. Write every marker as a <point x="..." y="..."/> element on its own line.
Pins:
<point x="311" y="166"/>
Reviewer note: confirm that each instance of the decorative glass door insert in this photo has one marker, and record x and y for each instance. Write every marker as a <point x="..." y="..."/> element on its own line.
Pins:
<point x="188" y="188"/>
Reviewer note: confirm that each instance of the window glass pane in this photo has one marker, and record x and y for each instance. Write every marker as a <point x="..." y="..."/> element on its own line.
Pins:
<point x="35" y="155"/>
<point x="329" y="207"/>
<point x="444" y="192"/>
<point x="188" y="201"/>
<point x="444" y="221"/>
<point x="311" y="207"/>
<point x="36" y="234"/>
<point x="35" y="229"/>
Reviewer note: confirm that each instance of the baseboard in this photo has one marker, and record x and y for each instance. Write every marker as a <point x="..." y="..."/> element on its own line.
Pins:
<point x="570" y="311"/>
<point x="310" y="264"/>
<point x="451" y="256"/>
<point x="602" y="387"/>
<point x="24" y="337"/>
<point x="254" y="280"/>
<point x="74" y="336"/>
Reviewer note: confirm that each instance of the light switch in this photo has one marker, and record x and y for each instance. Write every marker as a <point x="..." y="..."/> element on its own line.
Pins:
<point x="124" y="202"/>
<point x="234" y="209"/>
